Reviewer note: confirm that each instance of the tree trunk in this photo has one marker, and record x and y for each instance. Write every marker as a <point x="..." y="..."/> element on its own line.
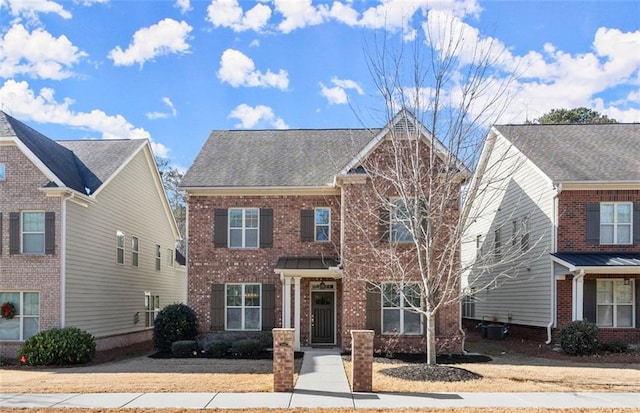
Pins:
<point x="431" y="339"/>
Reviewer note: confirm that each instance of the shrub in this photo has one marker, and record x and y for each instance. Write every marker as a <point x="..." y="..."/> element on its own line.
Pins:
<point x="579" y="338"/>
<point x="246" y="347"/>
<point x="217" y="348"/>
<point x="58" y="346"/>
<point x="614" y="347"/>
<point x="184" y="348"/>
<point x="175" y="322"/>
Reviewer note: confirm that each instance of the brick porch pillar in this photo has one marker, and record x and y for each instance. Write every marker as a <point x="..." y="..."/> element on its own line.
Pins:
<point x="362" y="360"/>
<point x="283" y="368"/>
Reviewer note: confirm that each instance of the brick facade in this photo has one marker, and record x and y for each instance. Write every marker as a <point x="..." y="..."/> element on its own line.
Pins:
<point x="28" y="273"/>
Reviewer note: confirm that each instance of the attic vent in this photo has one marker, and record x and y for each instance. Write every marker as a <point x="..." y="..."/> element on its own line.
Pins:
<point x="404" y="126"/>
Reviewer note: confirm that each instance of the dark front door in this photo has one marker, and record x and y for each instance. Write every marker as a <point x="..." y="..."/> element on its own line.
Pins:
<point x="322" y="317"/>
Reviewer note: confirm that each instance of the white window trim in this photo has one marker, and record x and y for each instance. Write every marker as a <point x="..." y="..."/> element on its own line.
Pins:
<point x="242" y="308"/>
<point x="135" y="252"/>
<point x="393" y="219"/>
<point x="158" y="260"/>
<point x="617" y="224"/>
<point x="402" y="309"/>
<point x="151" y="308"/>
<point x="244" y="228"/>
<point x="170" y="258"/>
<point x="3" y="171"/>
<point x="497" y="244"/>
<point x="21" y="317"/>
<point x="315" y="225"/>
<point x="22" y="231"/>
<point x="118" y="247"/>
<point x="615" y="303"/>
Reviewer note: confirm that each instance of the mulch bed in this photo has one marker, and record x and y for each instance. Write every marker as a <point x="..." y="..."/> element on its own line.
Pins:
<point x="424" y="372"/>
<point x="263" y="355"/>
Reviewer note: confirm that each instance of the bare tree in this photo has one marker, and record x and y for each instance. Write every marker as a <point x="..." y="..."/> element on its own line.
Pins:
<point x="171" y="178"/>
<point x="440" y="97"/>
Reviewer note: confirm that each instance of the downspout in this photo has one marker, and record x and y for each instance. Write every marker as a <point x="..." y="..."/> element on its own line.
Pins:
<point x="554" y="248"/>
<point x="63" y="259"/>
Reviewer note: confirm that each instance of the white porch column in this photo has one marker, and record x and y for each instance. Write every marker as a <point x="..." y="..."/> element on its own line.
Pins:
<point x="286" y="309"/>
<point x="296" y="313"/>
<point x="579" y="297"/>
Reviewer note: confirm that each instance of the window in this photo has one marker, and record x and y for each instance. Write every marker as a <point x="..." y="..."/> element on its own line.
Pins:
<point x="2" y="175"/>
<point x="120" y="247"/>
<point x="169" y="258"/>
<point x="615" y="303"/>
<point x="400" y="221"/>
<point x="468" y="306"/>
<point x="26" y="321"/>
<point x="398" y="317"/>
<point x="524" y="233"/>
<point x="134" y="251"/>
<point x="322" y="224"/>
<point x="497" y="245"/>
<point x="514" y="233"/>
<point x="158" y="257"/>
<point x="152" y="308"/>
<point x="478" y="247"/>
<point x="243" y="227"/>
<point x="615" y="223"/>
<point x="33" y="232"/>
<point x="243" y="310"/>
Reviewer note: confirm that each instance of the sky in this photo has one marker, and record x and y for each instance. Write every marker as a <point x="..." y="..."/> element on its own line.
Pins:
<point x="172" y="71"/>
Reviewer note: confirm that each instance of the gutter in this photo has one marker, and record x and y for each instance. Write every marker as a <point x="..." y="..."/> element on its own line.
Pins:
<point x="554" y="248"/>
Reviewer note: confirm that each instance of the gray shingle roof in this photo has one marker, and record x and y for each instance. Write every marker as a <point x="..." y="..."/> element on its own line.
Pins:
<point x="78" y="164"/>
<point x="595" y="152"/>
<point x="277" y="158"/>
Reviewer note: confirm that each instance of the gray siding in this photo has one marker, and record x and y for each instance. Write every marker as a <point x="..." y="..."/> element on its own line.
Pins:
<point x="102" y="296"/>
<point x="517" y="287"/>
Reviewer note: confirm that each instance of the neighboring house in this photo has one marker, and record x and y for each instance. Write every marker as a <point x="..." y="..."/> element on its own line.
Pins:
<point x="87" y="238"/>
<point x="269" y="244"/>
<point x="563" y="214"/>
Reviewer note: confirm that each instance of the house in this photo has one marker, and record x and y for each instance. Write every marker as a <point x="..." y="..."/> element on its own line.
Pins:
<point x="87" y="238"/>
<point x="554" y="230"/>
<point x="273" y="239"/>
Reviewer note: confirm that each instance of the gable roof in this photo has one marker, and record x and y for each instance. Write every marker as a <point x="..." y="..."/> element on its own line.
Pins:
<point x="274" y="158"/>
<point x="82" y="166"/>
<point x="580" y="153"/>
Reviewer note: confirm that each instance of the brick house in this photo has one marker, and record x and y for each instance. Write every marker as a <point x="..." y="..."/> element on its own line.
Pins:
<point x="571" y="204"/>
<point x="87" y="238"/>
<point x="272" y="241"/>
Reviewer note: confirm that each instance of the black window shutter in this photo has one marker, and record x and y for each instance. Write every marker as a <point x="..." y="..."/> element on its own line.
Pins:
<point x="220" y="228"/>
<point x="589" y="296"/>
<point x="374" y="310"/>
<point x="593" y="223"/>
<point x="637" y="281"/>
<point x="0" y="233"/>
<point x="636" y="227"/>
<point x="217" y="307"/>
<point x="306" y="225"/>
<point x="49" y="232"/>
<point x="268" y="307"/>
<point x="266" y="227"/>
<point x="14" y="233"/>
<point x="383" y="224"/>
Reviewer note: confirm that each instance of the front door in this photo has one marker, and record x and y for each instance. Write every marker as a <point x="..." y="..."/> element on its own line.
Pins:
<point x="322" y="317"/>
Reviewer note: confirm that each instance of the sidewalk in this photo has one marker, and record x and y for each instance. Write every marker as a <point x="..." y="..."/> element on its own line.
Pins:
<point x="322" y="383"/>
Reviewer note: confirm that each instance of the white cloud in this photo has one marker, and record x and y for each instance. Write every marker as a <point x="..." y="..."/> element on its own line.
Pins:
<point x="238" y="69"/>
<point x="299" y="14"/>
<point x="166" y="37"/>
<point x="164" y="115"/>
<point x="337" y="95"/>
<point x="36" y="54"/>
<point x="183" y="5"/>
<point x="228" y="13"/>
<point x="250" y="117"/>
<point x="30" y="9"/>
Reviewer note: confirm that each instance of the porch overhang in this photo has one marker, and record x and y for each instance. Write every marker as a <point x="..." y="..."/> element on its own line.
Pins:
<point x="599" y="262"/>
<point x="308" y="267"/>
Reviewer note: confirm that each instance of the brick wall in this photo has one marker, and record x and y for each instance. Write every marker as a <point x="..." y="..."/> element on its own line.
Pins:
<point x="33" y="273"/>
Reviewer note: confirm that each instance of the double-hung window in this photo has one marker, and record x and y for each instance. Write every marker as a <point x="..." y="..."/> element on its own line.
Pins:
<point x="322" y="223"/>
<point x="243" y="307"/>
<point x="135" y="245"/>
<point x="120" y="247"/>
<point x="615" y="303"/>
<point x="158" y="257"/>
<point x="615" y="223"/>
<point x="152" y="308"/>
<point x="497" y="244"/>
<point x="2" y="173"/>
<point x="243" y="227"/>
<point x="398" y="309"/>
<point x="26" y="321"/>
<point x="400" y="221"/>
<point x="33" y="232"/>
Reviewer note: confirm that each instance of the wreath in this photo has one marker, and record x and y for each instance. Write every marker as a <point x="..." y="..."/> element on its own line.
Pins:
<point x="8" y="310"/>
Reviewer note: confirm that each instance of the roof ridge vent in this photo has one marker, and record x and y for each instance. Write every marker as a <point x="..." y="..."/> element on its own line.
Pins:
<point x="404" y="125"/>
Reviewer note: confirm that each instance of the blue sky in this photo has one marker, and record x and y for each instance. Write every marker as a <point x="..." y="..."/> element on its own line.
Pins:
<point x="172" y="71"/>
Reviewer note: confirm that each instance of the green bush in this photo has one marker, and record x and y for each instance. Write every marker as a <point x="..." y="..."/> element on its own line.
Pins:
<point x="184" y="348"/>
<point x="246" y="347"/>
<point x="217" y="348"/>
<point x="175" y="322"/>
<point x="614" y="347"/>
<point x="579" y="338"/>
<point x="59" y="347"/>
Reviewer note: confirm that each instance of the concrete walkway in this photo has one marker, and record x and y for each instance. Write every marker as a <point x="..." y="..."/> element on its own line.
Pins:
<point x="322" y="383"/>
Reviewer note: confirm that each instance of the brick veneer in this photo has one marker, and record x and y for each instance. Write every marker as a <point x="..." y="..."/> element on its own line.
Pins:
<point x="32" y="273"/>
<point x="283" y="359"/>
<point x="362" y="360"/>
